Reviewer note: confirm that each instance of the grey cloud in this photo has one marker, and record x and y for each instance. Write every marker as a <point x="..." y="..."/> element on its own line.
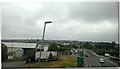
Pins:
<point x="95" y="11"/>
<point x="71" y="20"/>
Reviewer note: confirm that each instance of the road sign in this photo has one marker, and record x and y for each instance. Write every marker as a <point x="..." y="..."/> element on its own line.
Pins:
<point x="80" y="58"/>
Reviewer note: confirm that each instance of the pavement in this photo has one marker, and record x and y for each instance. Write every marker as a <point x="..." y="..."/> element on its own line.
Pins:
<point x="93" y="60"/>
<point x="13" y="64"/>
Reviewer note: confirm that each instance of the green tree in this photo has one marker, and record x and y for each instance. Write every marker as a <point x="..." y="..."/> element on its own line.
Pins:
<point x="88" y="45"/>
<point x="52" y="47"/>
<point x="31" y="55"/>
<point x="74" y="46"/>
<point x="4" y="52"/>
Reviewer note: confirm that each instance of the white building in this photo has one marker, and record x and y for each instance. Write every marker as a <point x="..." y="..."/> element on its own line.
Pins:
<point x="17" y="48"/>
<point x="66" y="43"/>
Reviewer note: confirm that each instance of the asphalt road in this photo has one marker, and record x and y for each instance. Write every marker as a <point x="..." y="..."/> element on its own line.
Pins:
<point x="14" y="64"/>
<point x="93" y="60"/>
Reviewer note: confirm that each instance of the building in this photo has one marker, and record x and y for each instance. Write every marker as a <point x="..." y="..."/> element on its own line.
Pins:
<point x="18" y="48"/>
<point x="21" y="48"/>
<point x="66" y="44"/>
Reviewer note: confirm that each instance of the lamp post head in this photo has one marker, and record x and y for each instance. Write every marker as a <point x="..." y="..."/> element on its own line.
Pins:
<point x="48" y="22"/>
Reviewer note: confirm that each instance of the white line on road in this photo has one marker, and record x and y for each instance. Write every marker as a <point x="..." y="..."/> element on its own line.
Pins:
<point x="96" y="56"/>
<point x="108" y="59"/>
<point x="86" y="63"/>
<point x="112" y="63"/>
<point x="94" y="53"/>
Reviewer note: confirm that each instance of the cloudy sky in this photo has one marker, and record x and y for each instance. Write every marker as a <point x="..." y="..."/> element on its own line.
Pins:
<point x="96" y="21"/>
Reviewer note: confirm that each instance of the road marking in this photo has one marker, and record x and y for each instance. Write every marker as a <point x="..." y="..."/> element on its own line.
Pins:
<point x="97" y="57"/>
<point x="112" y="62"/>
<point x="86" y="63"/>
<point x="94" y="53"/>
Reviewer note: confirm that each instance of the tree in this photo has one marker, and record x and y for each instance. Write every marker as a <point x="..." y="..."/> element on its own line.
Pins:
<point x="52" y="47"/>
<point x="88" y="45"/>
<point x="74" y="46"/>
<point x="31" y="55"/>
<point x="4" y="52"/>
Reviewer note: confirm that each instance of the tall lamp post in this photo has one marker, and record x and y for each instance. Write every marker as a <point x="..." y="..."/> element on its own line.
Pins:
<point x="47" y="22"/>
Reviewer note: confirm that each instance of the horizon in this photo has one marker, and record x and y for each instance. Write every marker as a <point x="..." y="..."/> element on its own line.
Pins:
<point x="59" y="40"/>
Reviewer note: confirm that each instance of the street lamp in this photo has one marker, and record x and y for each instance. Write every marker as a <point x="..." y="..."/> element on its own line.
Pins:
<point x="47" y="22"/>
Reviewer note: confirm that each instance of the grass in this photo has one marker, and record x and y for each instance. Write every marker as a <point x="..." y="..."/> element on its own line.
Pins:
<point x="64" y="61"/>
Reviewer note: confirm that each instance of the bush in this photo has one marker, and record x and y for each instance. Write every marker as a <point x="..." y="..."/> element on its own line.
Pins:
<point x="11" y="53"/>
<point x="52" y="47"/>
<point x="31" y="55"/>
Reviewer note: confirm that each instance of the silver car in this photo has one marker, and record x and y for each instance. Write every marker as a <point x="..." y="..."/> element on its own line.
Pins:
<point x="102" y="60"/>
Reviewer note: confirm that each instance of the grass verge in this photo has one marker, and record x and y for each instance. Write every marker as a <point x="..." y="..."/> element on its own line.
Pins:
<point x="64" y="61"/>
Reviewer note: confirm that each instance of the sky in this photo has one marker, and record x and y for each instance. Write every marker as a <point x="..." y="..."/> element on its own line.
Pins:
<point x="91" y="21"/>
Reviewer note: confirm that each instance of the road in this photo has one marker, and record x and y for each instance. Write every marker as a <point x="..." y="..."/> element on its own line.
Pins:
<point x="93" y="60"/>
<point x="14" y="64"/>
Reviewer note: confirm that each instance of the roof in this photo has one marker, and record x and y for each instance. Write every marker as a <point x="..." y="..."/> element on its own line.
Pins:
<point x="20" y="45"/>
